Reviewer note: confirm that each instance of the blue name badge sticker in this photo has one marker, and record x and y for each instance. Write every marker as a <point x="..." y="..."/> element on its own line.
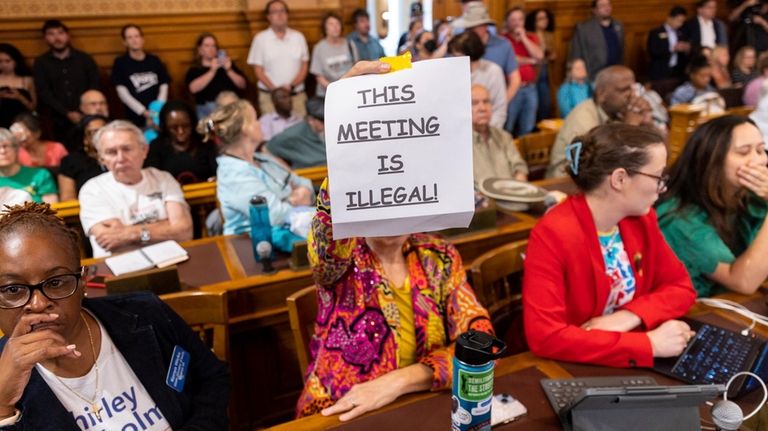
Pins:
<point x="177" y="371"/>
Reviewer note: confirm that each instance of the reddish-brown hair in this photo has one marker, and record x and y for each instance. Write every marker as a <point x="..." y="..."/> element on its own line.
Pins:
<point x="609" y="147"/>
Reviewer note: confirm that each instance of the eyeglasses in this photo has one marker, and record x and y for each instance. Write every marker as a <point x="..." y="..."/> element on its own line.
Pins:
<point x="56" y="287"/>
<point x="7" y="147"/>
<point x="661" y="180"/>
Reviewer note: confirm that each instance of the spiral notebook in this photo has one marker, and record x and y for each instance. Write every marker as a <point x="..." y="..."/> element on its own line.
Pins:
<point x="158" y="255"/>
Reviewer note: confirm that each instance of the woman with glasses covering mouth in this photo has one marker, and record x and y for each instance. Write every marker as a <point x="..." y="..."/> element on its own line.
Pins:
<point x="600" y="284"/>
<point x="69" y="363"/>
<point x="714" y="213"/>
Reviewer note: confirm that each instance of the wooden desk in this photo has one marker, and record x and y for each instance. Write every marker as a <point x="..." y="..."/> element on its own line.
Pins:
<point x="227" y="263"/>
<point x="519" y="376"/>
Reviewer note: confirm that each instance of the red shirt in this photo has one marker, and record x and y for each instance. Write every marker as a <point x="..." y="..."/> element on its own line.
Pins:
<point x="527" y="71"/>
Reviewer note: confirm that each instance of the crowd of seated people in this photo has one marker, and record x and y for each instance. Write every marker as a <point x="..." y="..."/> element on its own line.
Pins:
<point x="605" y="282"/>
<point x="512" y="61"/>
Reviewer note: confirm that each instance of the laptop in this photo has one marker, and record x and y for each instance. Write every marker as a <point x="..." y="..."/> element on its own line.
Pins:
<point x="714" y="355"/>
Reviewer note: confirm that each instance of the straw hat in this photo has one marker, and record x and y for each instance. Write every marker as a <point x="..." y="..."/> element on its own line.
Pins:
<point x="476" y="14"/>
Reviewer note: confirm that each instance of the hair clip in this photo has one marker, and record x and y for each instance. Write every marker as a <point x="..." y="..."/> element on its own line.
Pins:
<point x="210" y="126"/>
<point x="572" y="155"/>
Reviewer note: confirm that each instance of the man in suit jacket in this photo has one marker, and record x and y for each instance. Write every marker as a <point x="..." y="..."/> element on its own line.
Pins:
<point x="704" y="30"/>
<point x="598" y="41"/>
<point x="667" y="47"/>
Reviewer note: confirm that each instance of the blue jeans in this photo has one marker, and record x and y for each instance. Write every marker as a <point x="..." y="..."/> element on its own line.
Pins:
<point x="521" y="112"/>
<point x="545" y="99"/>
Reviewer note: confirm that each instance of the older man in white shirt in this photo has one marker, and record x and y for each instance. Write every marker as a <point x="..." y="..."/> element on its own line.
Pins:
<point x="280" y="58"/>
<point x="129" y="207"/>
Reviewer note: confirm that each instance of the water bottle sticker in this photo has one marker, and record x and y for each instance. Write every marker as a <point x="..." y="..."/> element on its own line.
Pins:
<point x="460" y="415"/>
<point x="475" y="386"/>
<point x="482" y="407"/>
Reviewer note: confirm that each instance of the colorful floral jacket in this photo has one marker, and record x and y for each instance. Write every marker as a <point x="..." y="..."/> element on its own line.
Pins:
<point x="357" y="327"/>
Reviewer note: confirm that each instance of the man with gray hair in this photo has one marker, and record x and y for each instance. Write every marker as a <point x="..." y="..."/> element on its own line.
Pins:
<point x="129" y="207"/>
<point x="615" y="100"/>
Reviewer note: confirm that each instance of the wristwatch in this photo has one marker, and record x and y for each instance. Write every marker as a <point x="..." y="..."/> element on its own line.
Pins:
<point x="145" y="236"/>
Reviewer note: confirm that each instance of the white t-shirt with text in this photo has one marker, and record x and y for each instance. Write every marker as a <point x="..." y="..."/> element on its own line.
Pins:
<point x="123" y="401"/>
<point x="103" y="198"/>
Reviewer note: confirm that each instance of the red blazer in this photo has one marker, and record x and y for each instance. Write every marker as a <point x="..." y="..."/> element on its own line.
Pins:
<point x="564" y="285"/>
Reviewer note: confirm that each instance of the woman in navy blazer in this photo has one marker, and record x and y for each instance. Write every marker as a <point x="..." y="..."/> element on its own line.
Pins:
<point x="47" y="323"/>
<point x="600" y="284"/>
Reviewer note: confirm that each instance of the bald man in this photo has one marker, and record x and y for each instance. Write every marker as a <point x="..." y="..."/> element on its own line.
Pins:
<point x="614" y="100"/>
<point x="493" y="152"/>
<point x="93" y="102"/>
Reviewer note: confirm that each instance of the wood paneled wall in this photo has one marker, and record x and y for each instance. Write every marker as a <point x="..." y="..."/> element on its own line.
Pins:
<point x="171" y="36"/>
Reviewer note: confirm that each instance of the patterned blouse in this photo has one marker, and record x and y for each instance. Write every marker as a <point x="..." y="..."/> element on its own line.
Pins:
<point x="357" y="330"/>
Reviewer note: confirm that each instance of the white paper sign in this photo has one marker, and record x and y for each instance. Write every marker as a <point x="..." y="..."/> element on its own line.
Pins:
<point x="399" y="150"/>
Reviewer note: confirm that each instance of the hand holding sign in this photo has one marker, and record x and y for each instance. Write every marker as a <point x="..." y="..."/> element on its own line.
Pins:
<point x="399" y="149"/>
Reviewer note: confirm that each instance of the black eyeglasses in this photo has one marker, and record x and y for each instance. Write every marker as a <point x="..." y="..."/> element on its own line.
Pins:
<point x="661" y="180"/>
<point x="56" y="287"/>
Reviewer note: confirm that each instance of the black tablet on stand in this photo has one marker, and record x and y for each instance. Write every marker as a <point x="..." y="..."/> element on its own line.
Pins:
<point x="657" y="408"/>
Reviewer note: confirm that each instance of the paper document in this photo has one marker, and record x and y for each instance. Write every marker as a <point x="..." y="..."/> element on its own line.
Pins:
<point x="159" y="255"/>
<point x="399" y="150"/>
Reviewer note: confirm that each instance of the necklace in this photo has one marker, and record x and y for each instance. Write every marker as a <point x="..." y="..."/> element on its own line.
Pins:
<point x="93" y="402"/>
<point x="608" y="247"/>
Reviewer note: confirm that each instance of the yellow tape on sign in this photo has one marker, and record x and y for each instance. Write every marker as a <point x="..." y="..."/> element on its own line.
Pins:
<point x="398" y="62"/>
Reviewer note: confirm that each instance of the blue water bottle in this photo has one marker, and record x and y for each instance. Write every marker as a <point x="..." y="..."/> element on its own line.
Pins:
<point x="473" y="380"/>
<point x="261" y="229"/>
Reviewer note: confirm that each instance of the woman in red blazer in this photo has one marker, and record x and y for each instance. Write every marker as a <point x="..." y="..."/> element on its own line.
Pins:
<point x="600" y="284"/>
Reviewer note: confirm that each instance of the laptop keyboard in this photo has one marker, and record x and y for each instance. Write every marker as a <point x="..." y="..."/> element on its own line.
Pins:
<point x="714" y="355"/>
<point x="564" y="392"/>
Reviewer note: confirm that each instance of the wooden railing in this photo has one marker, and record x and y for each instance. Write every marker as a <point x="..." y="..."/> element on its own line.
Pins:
<point x="196" y="195"/>
<point x="684" y="119"/>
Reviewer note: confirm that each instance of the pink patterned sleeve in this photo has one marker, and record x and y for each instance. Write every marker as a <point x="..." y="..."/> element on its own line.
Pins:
<point x="329" y="259"/>
<point x="463" y="312"/>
